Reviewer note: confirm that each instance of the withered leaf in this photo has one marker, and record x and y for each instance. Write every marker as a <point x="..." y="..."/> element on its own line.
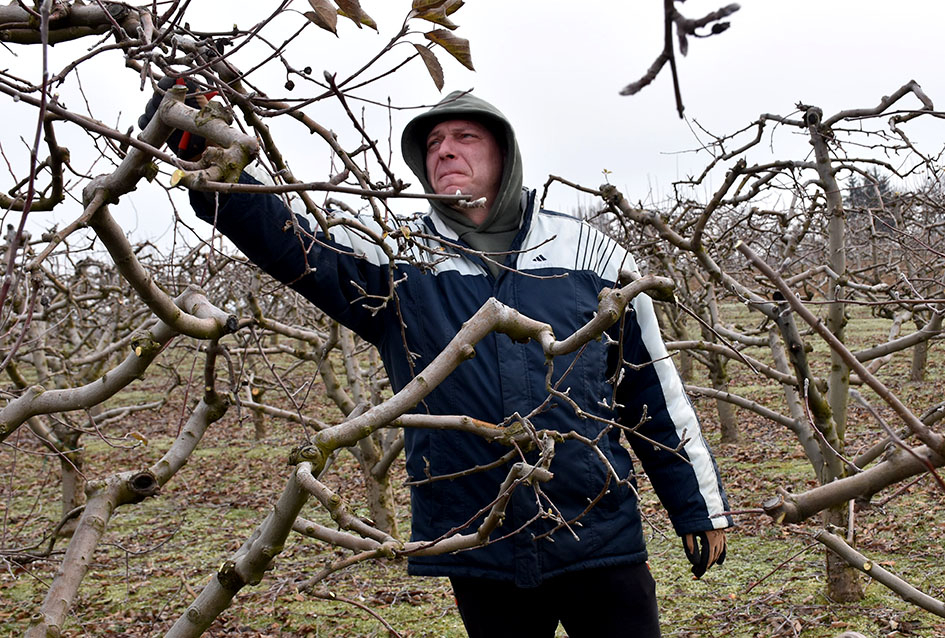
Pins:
<point x="433" y="65"/>
<point x="352" y="10"/>
<point x="452" y="6"/>
<point x="437" y="16"/>
<point x="454" y="45"/>
<point x="324" y="15"/>
<point x="424" y="5"/>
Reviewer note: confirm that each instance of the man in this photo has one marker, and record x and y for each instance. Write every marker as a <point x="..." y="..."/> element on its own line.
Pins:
<point x="590" y="574"/>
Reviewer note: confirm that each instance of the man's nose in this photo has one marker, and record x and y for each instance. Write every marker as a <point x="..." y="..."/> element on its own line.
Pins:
<point x="446" y="149"/>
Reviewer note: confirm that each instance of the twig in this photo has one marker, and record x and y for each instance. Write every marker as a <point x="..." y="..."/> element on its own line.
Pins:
<point x="803" y="550"/>
<point x="327" y="595"/>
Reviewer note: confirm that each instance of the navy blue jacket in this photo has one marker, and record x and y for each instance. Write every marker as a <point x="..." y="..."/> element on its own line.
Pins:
<point x="560" y="266"/>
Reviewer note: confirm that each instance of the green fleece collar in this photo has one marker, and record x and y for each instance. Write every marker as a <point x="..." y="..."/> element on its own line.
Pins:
<point x="498" y="231"/>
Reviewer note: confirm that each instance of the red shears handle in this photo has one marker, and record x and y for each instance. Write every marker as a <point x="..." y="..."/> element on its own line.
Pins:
<point x="185" y="136"/>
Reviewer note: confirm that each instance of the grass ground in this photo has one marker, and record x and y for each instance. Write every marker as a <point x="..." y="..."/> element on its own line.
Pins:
<point x="157" y="554"/>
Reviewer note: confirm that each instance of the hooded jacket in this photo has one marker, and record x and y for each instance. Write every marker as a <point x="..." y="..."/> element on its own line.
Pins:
<point x="558" y="266"/>
<point x="496" y="233"/>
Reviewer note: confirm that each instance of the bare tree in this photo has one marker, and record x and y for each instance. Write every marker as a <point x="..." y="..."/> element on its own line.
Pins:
<point x="808" y="254"/>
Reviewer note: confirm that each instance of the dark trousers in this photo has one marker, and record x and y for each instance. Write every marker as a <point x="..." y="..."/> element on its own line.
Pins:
<point x="608" y="602"/>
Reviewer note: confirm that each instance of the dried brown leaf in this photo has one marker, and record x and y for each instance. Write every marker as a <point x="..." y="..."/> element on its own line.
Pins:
<point x="437" y="16"/>
<point x="352" y="10"/>
<point x="452" y="6"/>
<point x="432" y="64"/>
<point x="325" y="15"/>
<point x="425" y="5"/>
<point x="454" y="45"/>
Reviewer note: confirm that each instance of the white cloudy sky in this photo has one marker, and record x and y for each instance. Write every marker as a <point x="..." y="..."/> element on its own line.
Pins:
<point x="555" y="68"/>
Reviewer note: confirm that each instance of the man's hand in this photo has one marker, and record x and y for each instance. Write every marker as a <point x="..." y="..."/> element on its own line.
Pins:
<point x="711" y="551"/>
<point x="182" y="143"/>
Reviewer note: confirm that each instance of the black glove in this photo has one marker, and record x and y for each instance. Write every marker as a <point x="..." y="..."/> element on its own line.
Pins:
<point x="699" y="555"/>
<point x="184" y="144"/>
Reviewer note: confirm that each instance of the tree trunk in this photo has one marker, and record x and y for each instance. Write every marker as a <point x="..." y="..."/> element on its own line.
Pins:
<point x="73" y="482"/>
<point x="378" y="489"/>
<point x="260" y="422"/>
<point x="727" y="423"/>
<point x="380" y="499"/>
<point x="685" y="366"/>
<point x="920" y="357"/>
<point x="803" y="431"/>
<point x="843" y="582"/>
<point x="718" y="372"/>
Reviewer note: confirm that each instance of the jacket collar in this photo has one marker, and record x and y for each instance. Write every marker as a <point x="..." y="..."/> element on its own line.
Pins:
<point x="434" y="220"/>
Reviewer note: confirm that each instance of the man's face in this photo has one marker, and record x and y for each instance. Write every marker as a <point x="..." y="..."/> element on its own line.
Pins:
<point x="463" y="155"/>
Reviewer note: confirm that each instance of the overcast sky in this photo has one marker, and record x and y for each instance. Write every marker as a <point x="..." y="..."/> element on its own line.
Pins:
<point x="555" y="68"/>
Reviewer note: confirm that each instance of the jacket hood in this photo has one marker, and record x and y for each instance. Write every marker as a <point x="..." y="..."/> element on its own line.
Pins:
<point x="505" y="212"/>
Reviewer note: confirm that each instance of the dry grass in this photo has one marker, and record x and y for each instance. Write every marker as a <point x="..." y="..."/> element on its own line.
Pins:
<point x="157" y="554"/>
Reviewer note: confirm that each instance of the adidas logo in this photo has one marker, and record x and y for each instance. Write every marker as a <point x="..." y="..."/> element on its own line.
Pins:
<point x="539" y="258"/>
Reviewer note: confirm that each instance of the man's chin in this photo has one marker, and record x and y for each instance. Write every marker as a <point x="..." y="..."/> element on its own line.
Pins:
<point x="452" y="189"/>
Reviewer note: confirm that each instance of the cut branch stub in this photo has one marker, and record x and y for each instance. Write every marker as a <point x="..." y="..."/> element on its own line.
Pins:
<point x="777" y="508"/>
<point x="229" y="578"/>
<point x="142" y="485"/>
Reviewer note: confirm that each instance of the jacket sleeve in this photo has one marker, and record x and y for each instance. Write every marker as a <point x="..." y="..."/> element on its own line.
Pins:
<point x="688" y="484"/>
<point x="335" y="272"/>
